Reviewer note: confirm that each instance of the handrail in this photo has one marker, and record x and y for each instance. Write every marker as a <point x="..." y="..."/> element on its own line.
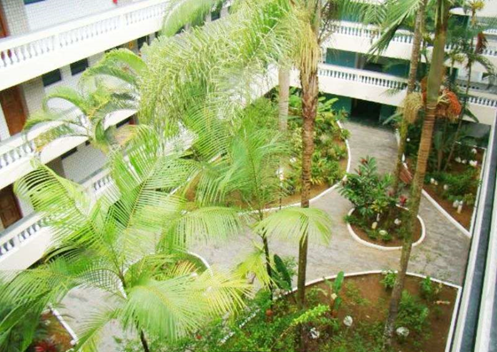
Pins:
<point x="25" y="47"/>
<point x="23" y="39"/>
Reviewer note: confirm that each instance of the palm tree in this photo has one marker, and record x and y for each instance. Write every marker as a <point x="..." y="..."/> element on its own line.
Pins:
<point x="129" y="244"/>
<point x="197" y="77"/>
<point x="398" y="16"/>
<point x="89" y="109"/>
<point x="434" y="82"/>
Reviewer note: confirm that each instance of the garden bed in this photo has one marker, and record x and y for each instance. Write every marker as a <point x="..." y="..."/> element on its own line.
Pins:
<point x="426" y="310"/>
<point x="361" y="230"/>
<point x="320" y="188"/>
<point x="52" y="335"/>
<point x="459" y="183"/>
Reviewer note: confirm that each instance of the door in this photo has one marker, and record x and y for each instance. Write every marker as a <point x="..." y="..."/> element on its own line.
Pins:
<point x="13" y="109"/>
<point x="3" y="24"/>
<point x="9" y="209"/>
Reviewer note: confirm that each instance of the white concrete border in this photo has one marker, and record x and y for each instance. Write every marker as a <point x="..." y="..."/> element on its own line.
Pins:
<point x="66" y="326"/>
<point x="385" y="248"/>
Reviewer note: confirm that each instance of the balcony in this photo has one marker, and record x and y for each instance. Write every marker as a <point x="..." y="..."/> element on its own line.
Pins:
<point x="379" y="87"/>
<point x="24" y="243"/>
<point x="17" y="152"/>
<point x="350" y="36"/>
<point x="27" y="56"/>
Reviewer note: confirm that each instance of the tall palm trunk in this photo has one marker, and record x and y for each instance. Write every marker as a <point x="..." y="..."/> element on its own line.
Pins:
<point x="310" y="91"/>
<point x="465" y="102"/>
<point x="283" y="98"/>
<point x="435" y="77"/>
<point x="144" y="342"/>
<point x="411" y="84"/>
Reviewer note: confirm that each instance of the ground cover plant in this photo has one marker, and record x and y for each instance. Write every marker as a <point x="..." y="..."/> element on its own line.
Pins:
<point x="377" y="218"/>
<point x="341" y="315"/>
<point x="329" y="160"/>
<point x="453" y="183"/>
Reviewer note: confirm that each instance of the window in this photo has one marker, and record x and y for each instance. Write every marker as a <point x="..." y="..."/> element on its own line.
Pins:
<point x="216" y="13"/>
<point x="51" y="77"/>
<point x="142" y="41"/>
<point x="79" y="66"/>
<point x="27" y="2"/>
<point x="68" y="153"/>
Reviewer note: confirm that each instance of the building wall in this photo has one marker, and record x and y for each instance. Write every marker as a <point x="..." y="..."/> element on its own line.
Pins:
<point x="83" y="163"/>
<point x="16" y="17"/>
<point x="47" y="13"/>
<point x="4" y="129"/>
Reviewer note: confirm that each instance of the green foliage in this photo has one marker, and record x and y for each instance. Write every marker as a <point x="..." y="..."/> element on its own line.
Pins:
<point x="412" y="313"/>
<point x="283" y="272"/>
<point x="429" y="290"/>
<point x="368" y="190"/>
<point x="462" y="186"/>
<point x="388" y="280"/>
<point x="328" y="141"/>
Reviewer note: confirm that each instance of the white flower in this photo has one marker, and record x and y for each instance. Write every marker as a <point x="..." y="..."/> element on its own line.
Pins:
<point x="397" y="222"/>
<point x="474" y="151"/>
<point x="473" y="163"/>
<point x="458" y="160"/>
<point x="455" y="204"/>
<point x="446" y="187"/>
<point x="408" y="139"/>
<point x="347" y="321"/>
<point x="464" y="161"/>
<point x="334" y="296"/>
<point x="314" y="334"/>
<point x="432" y="181"/>
<point x="374" y="225"/>
<point x="402" y="331"/>
<point x="383" y="233"/>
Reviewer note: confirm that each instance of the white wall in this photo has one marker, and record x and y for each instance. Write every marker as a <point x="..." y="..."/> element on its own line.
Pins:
<point x="83" y="163"/>
<point x="50" y="12"/>
<point x="4" y="129"/>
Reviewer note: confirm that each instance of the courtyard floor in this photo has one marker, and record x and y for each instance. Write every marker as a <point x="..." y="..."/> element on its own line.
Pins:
<point x="442" y="254"/>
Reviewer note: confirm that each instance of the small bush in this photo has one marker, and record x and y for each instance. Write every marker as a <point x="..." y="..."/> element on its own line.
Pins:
<point x="412" y="313"/>
<point x="388" y="280"/>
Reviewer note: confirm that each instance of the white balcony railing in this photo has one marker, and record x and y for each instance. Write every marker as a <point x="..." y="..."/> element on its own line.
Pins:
<point x="17" y="151"/>
<point x="379" y="87"/>
<point x="355" y="37"/>
<point x="33" y="232"/>
<point x="30" y="55"/>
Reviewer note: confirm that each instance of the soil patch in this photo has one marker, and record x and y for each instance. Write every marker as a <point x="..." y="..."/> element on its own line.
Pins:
<point x="364" y="299"/>
<point x="396" y="239"/>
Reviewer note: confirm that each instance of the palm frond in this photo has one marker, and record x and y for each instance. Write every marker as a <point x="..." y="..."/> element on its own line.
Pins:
<point x="297" y="223"/>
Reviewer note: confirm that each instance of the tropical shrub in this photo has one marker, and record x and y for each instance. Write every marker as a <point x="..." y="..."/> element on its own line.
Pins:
<point x="368" y="190"/>
<point x="413" y="314"/>
<point x="328" y="142"/>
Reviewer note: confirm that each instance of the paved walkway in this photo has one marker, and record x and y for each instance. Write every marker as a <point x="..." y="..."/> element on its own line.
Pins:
<point x="442" y="254"/>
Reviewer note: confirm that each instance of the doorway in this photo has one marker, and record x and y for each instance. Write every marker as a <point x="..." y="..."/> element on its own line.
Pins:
<point x="9" y="208"/>
<point x="13" y="109"/>
<point x="4" y="32"/>
<point x="365" y="112"/>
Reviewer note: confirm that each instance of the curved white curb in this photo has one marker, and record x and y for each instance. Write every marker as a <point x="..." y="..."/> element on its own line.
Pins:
<point x="385" y="248"/>
<point x="326" y="191"/>
<point x="362" y="273"/>
<point x="66" y="326"/>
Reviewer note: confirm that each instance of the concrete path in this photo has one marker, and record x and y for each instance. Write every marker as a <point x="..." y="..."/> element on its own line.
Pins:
<point x="442" y="254"/>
